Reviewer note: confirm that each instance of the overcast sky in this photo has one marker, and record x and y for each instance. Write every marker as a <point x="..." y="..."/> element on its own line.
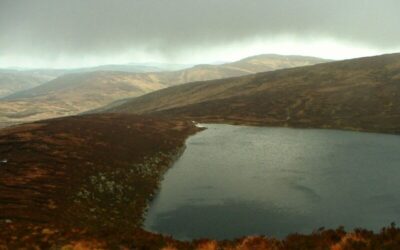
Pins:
<point x="75" y="33"/>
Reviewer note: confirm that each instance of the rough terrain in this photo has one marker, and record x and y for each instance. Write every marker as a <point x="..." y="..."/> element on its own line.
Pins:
<point x="358" y="94"/>
<point x="73" y="93"/>
<point x="84" y="183"/>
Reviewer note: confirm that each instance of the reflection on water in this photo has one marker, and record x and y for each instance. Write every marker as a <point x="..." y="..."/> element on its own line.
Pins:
<point x="236" y="180"/>
<point x="226" y="220"/>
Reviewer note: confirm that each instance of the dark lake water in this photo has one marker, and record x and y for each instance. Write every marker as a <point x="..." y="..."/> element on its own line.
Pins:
<point x="235" y="180"/>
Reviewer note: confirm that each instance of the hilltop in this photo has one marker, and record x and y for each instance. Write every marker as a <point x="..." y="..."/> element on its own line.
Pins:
<point x="12" y="81"/>
<point x="74" y="93"/>
<point x="357" y="94"/>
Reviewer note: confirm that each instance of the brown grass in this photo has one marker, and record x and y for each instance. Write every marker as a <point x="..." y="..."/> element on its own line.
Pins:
<point x="50" y="194"/>
<point x="359" y="94"/>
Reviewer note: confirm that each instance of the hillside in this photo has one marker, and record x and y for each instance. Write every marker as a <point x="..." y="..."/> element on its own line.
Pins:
<point x="66" y="179"/>
<point x="84" y="182"/>
<point x="250" y="65"/>
<point x="12" y="81"/>
<point x="74" y="93"/>
<point x="358" y="94"/>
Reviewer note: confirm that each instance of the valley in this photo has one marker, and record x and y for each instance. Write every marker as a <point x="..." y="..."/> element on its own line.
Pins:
<point x="86" y="181"/>
<point x="81" y="91"/>
<point x="199" y="125"/>
<point x="358" y="94"/>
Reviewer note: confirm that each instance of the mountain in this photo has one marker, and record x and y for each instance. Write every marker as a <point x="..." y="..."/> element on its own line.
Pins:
<point x="15" y="80"/>
<point x="85" y="182"/>
<point x="12" y="81"/>
<point x="358" y="94"/>
<point x="72" y="94"/>
<point x="79" y="92"/>
<point x="250" y="65"/>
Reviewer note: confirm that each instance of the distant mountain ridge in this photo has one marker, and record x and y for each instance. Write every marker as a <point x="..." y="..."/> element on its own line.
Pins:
<point x="79" y="92"/>
<point x="357" y="94"/>
<point x="13" y="81"/>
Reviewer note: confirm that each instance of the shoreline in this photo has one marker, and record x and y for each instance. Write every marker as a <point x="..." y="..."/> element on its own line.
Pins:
<point x="97" y="157"/>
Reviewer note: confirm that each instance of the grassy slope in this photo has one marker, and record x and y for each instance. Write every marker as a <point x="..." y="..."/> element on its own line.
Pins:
<point x="68" y="181"/>
<point x="72" y="94"/>
<point x="75" y="93"/>
<point x="92" y="174"/>
<point x="14" y="81"/>
<point x="359" y="94"/>
<point x="84" y="183"/>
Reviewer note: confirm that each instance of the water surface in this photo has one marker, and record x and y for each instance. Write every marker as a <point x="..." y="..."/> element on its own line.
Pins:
<point x="236" y="180"/>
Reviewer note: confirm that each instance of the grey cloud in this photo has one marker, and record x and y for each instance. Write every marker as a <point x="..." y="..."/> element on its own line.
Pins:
<point x="85" y="27"/>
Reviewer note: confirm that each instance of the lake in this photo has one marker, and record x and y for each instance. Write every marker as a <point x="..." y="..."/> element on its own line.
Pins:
<point x="233" y="181"/>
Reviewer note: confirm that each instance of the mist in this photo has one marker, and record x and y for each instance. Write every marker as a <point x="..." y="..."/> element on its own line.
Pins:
<point x="47" y="33"/>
